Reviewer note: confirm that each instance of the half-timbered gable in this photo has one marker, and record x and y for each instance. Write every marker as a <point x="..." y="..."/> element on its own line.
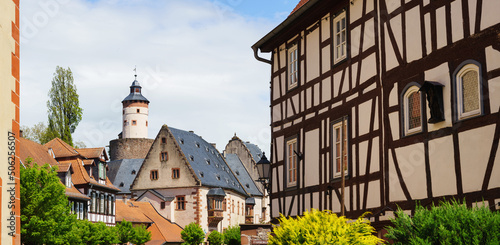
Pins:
<point x="378" y="103"/>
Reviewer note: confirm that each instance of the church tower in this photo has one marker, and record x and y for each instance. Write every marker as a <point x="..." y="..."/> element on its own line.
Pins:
<point x="135" y="113"/>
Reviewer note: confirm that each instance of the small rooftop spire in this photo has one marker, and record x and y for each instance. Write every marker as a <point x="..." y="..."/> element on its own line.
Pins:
<point x="135" y="70"/>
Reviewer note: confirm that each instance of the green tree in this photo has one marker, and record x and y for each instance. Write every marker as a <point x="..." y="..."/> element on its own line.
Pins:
<point x="449" y="223"/>
<point x="45" y="213"/>
<point x="323" y="227"/>
<point x="232" y="235"/>
<point x="125" y="231"/>
<point x="63" y="106"/>
<point x="141" y="235"/>
<point x="215" y="238"/>
<point x="192" y="234"/>
<point x="37" y="133"/>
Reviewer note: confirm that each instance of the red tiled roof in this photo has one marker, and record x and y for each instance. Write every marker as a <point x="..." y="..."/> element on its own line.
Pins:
<point x="130" y="213"/>
<point x="162" y="229"/>
<point x="74" y="193"/>
<point x="91" y="152"/>
<point x="87" y="162"/>
<point x="299" y="5"/>
<point x="61" y="148"/>
<point x="39" y="153"/>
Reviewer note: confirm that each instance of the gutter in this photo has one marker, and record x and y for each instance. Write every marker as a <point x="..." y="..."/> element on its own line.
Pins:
<point x="294" y="16"/>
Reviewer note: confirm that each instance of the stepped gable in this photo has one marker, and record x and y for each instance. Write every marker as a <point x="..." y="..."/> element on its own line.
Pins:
<point x="206" y="161"/>
<point x="242" y="174"/>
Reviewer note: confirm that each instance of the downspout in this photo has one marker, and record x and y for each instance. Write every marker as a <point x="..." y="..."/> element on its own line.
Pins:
<point x="256" y="55"/>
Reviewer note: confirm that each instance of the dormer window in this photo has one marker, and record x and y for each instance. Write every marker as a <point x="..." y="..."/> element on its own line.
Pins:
<point x="68" y="179"/>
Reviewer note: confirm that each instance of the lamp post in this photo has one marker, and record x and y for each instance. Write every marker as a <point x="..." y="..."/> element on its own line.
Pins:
<point x="264" y="167"/>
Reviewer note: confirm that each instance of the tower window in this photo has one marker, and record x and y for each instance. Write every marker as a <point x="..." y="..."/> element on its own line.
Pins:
<point x="146" y="123"/>
<point x="138" y="110"/>
<point x="125" y="123"/>
<point x="137" y="90"/>
<point x="134" y="122"/>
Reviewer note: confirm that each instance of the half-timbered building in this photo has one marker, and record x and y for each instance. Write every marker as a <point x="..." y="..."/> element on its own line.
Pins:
<point x="381" y="103"/>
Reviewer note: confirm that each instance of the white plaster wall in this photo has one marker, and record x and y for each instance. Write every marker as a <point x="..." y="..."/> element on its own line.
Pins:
<point x="442" y="163"/>
<point x="394" y="121"/>
<point x="365" y="112"/>
<point x="489" y="15"/>
<point x="391" y="60"/>
<point x="311" y="157"/>
<point x="326" y="91"/>
<point x="325" y="27"/>
<point x="411" y="161"/>
<point x="395" y="190"/>
<point x="494" y="87"/>
<point x="369" y="68"/>
<point x="140" y="130"/>
<point x="475" y="147"/>
<point x="441" y="27"/>
<point x="457" y="26"/>
<point x="413" y="35"/>
<point x="312" y="55"/>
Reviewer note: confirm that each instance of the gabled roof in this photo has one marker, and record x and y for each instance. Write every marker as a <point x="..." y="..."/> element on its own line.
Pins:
<point x="81" y="177"/>
<point x="242" y="174"/>
<point x="124" y="171"/>
<point x="92" y="152"/>
<point x="162" y="230"/>
<point x="61" y="148"/>
<point x="299" y="5"/>
<point x="40" y="154"/>
<point x="130" y="213"/>
<point x="73" y="193"/>
<point x="206" y="161"/>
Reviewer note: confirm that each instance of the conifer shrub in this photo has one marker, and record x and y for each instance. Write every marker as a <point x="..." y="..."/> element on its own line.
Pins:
<point x="449" y="223"/>
<point x="323" y="227"/>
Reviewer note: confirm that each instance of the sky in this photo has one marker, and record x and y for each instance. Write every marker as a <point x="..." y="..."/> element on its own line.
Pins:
<point x="193" y="58"/>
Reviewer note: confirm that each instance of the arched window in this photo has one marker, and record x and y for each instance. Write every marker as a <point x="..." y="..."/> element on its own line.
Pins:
<point x="412" y="110"/>
<point x="468" y="91"/>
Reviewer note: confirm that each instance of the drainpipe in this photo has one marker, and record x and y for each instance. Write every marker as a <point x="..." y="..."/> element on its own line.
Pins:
<point x="256" y="55"/>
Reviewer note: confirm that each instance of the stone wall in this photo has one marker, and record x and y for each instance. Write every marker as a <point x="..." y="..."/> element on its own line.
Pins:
<point x="129" y="148"/>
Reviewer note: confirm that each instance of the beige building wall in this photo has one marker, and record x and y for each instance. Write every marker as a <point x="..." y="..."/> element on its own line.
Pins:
<point x="10" y="225"/>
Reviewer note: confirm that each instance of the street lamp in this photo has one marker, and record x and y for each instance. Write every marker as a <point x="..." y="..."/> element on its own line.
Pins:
<point x="264" y="167"/>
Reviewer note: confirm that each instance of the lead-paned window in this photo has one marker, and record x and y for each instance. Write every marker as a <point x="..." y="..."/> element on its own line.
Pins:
<point x="293" y="66"/>
<point x="412" y="110"/>
<point x="340" y="37"/>
<point x="291" y="162"/>
<point x="468" y="92"/>
<point x="340" y="148"/>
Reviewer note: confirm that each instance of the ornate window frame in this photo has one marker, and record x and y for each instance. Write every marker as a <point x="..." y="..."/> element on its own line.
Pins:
<point x="409" y="90"/>
<point x="463" y="69"/>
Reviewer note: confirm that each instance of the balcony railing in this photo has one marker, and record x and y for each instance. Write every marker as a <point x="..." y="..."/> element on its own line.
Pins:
<point x="249" y="219"/>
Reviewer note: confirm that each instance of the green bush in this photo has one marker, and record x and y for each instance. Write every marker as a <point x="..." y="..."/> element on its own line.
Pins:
<point x="449" y="223"/>
<point x="232" y="235"/>
<point x="323" y="227"/>
<point x="192" y="234"/>
<point x="215" y="238"/>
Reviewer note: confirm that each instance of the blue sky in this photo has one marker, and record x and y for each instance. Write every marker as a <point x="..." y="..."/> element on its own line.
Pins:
<point x="193" y="58"/>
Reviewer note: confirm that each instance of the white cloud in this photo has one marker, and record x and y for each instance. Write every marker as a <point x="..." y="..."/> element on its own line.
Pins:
<point x="193" y="60"/>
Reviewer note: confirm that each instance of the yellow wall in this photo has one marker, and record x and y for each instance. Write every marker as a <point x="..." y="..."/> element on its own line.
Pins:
<point x="9" y="122"/>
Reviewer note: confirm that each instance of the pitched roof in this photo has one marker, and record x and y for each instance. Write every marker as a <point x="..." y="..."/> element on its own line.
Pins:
<point x="92" y="152"/>
<point x="61" y="148"/>
<point x="299" y="5"/>
<point x="130" y="213"/>
<point x="39" y="153"/>
<point x="242" y="174"/>
<point x="161" y="229"/>
<point x="206" y="161"/>
<point x="124" y="171"/>
<point x="73" y="193"/>
<point x="81" y="177"/>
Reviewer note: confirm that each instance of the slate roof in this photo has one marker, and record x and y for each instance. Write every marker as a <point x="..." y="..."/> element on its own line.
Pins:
<point x="206" y="161"/>
<point x="135" y="95"/>
<point x="124" y="171"/>
<point x="254" y="150"/>
<point x="242" y="174"/>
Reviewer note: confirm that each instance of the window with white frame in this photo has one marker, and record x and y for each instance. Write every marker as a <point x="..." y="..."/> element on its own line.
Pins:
<point x="412" y="110"/>
<point x="68" y="179"/>
<point x="340" y="148"/>
<point x="340" y="37"/>
<point x="293" y="66"/>
<point x="291" y="162"/>
<point x="468" y="92"/>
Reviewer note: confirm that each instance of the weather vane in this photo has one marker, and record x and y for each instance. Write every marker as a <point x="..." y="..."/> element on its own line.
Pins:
<point x="135" y="70"/>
